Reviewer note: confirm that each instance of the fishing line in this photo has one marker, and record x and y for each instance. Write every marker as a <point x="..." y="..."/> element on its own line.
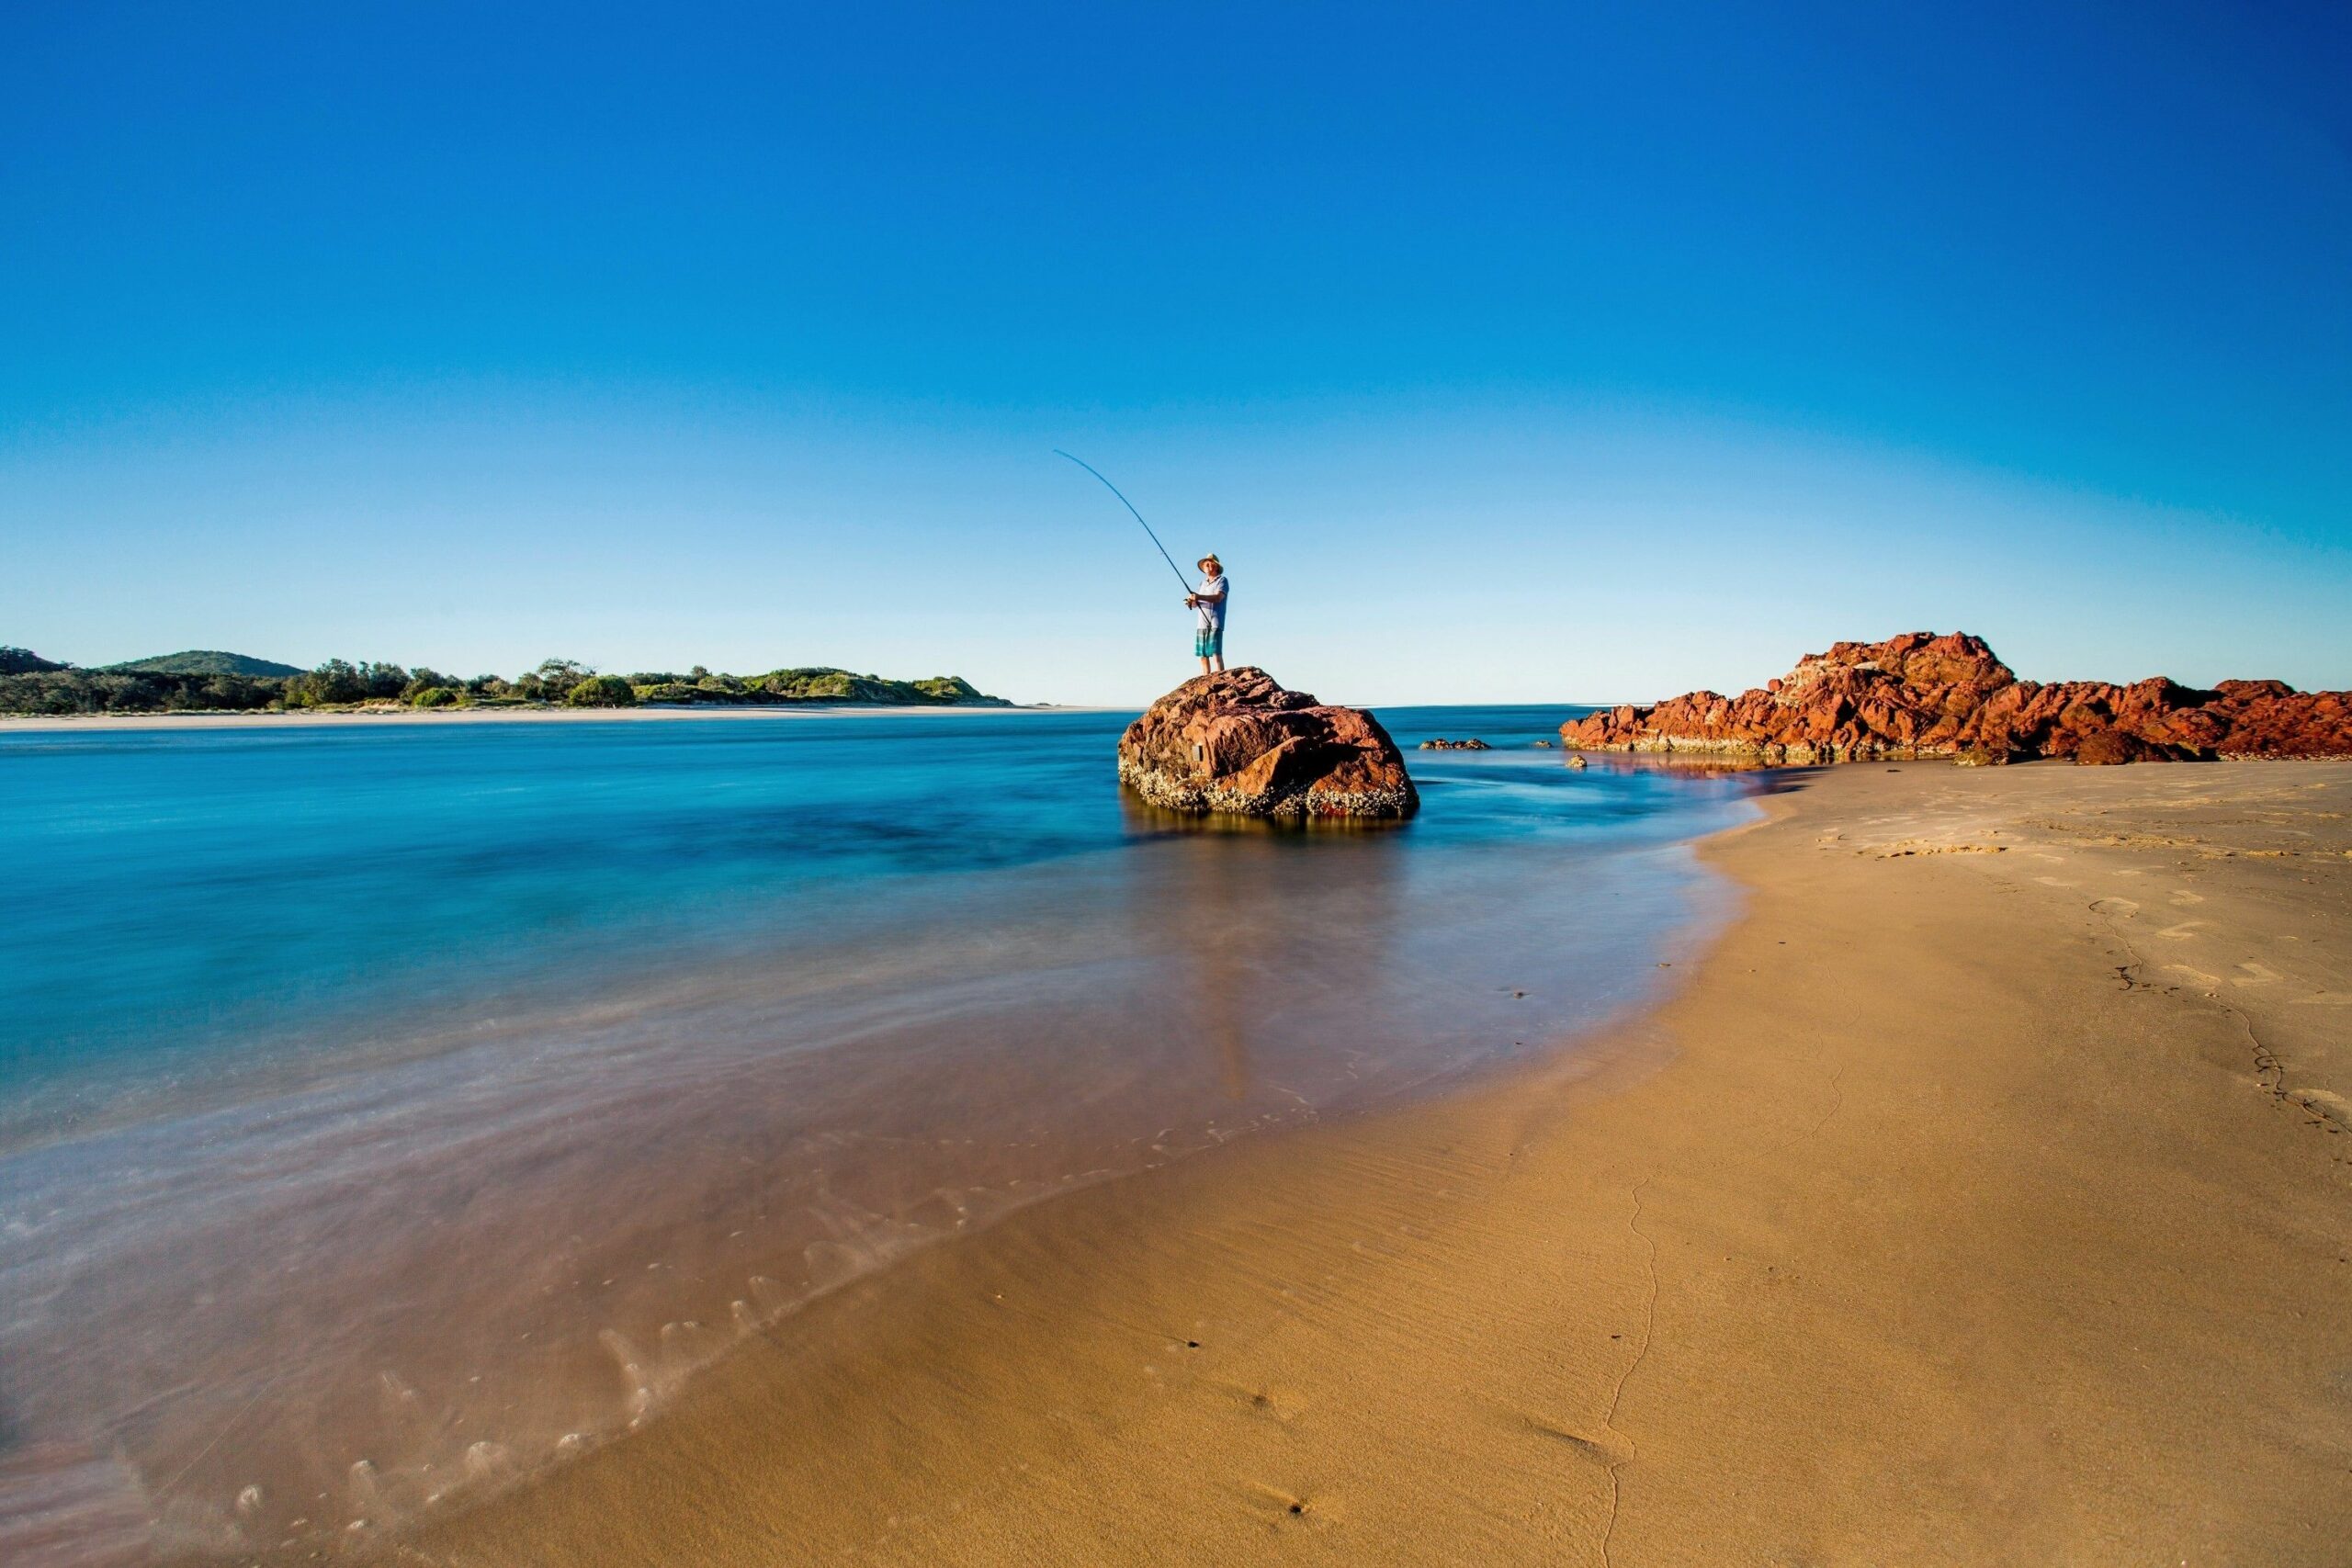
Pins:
<point x="1137" y="515"/>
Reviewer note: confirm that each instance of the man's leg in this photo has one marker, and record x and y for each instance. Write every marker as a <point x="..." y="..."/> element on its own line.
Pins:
<point x="1204" y="666"/>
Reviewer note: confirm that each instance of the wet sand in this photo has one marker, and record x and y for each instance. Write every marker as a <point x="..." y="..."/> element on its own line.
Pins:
<point x="1986" y="1197"/>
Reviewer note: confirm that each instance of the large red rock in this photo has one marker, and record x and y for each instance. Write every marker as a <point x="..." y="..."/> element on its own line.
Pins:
<point x="1238" y="742"/>
<point x="1923" y="695"/>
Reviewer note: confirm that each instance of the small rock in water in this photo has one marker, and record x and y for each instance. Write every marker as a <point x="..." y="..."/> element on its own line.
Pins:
<point x="1236" y="741"/>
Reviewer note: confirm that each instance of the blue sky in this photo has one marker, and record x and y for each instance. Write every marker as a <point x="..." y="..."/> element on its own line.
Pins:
<point x="1545" y="352"/>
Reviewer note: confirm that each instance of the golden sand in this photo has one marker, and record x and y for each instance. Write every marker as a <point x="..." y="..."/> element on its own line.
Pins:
<point x="1984" y="1198"/>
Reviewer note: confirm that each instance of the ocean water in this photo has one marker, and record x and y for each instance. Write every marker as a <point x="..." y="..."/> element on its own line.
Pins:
<point x="392" y="1112"/>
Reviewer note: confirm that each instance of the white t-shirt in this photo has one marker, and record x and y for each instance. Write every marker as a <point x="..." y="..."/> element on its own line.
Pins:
<point x="1212" y="592"/>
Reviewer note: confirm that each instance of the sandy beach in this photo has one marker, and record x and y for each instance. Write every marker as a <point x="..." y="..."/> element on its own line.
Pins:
<point x="1980" y="1198"/>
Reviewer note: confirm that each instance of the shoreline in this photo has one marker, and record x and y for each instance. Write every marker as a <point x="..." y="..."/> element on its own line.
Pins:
<point x="1932" y="1221"/>
<point x="243" y="720"/>
<point x="796" y="1016"/>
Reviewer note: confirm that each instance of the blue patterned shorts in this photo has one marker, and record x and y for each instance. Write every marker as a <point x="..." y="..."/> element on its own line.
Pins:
<point x="1208" y="642"/>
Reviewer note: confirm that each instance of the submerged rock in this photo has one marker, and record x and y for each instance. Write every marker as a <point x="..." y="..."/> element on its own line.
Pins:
<point x="1238" y="742"/>
<point x="1442" y="744"/>
<point x="1922" y="695"/>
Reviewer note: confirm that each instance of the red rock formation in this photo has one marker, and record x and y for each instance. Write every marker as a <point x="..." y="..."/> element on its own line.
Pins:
<point x="1236" y="741"/>
<point x="1921" y="695"/>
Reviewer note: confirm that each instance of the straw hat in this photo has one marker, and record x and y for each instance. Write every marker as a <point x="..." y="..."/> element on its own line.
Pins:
<point x="1209" y="560"/>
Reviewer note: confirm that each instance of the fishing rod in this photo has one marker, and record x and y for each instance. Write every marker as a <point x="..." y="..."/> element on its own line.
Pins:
<point x="1137" y="515"/>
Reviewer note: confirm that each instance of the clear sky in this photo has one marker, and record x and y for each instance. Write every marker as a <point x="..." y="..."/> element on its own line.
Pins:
<point x="1550" y="352"/>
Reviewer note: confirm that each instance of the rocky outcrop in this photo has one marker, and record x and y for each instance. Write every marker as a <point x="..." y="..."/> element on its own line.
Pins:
<point x="1923" y="695"/>
<point x="1237" y="742"/>
<point x="1442" y="744"/>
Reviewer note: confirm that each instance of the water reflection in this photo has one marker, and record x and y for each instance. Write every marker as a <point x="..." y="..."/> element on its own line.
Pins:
<point x="1268" y="945"/>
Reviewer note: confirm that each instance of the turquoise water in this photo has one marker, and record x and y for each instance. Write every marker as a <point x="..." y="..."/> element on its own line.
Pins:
<point x="394" y="1110"/>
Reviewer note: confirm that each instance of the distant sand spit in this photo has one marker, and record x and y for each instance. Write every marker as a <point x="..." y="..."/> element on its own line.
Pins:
<point x="1967" y="1207"/>
<point x="11" y="724"/>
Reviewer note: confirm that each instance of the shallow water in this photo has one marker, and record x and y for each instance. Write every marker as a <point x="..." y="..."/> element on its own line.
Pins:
<point x="392" y="1112"/>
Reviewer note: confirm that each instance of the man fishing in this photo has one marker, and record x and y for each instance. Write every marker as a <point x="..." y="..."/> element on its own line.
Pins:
<point x="1208" y="603"/>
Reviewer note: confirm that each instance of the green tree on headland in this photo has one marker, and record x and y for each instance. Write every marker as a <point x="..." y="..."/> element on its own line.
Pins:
<point x="557" y="677"/>
<point x="602" y="692"/>
<point x="25" y="661"/>
<point x="338" y="681"/>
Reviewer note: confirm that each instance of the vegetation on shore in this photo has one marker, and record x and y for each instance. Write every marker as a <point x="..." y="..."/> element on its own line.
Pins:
<point x="209" y="682"/>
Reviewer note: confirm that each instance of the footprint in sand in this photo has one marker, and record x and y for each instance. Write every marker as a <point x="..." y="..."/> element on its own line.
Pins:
<point x="2183" y="896"/>
<point x="2255" y="975"/>
<point x="1288" y="1508"/>
<point x="2198" y="976"/>
<point x="1604" y="1448"/>
<point x="2320" y="1103"/>
<point x="1271" y="1401"/>
<point x="2185" y="931"/>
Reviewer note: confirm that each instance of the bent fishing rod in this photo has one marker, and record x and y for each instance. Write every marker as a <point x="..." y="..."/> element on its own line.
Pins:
<point x="1137" y="515"/>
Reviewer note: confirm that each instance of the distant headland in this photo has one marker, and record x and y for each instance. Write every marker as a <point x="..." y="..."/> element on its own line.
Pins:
<point x="208" y="681"/>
